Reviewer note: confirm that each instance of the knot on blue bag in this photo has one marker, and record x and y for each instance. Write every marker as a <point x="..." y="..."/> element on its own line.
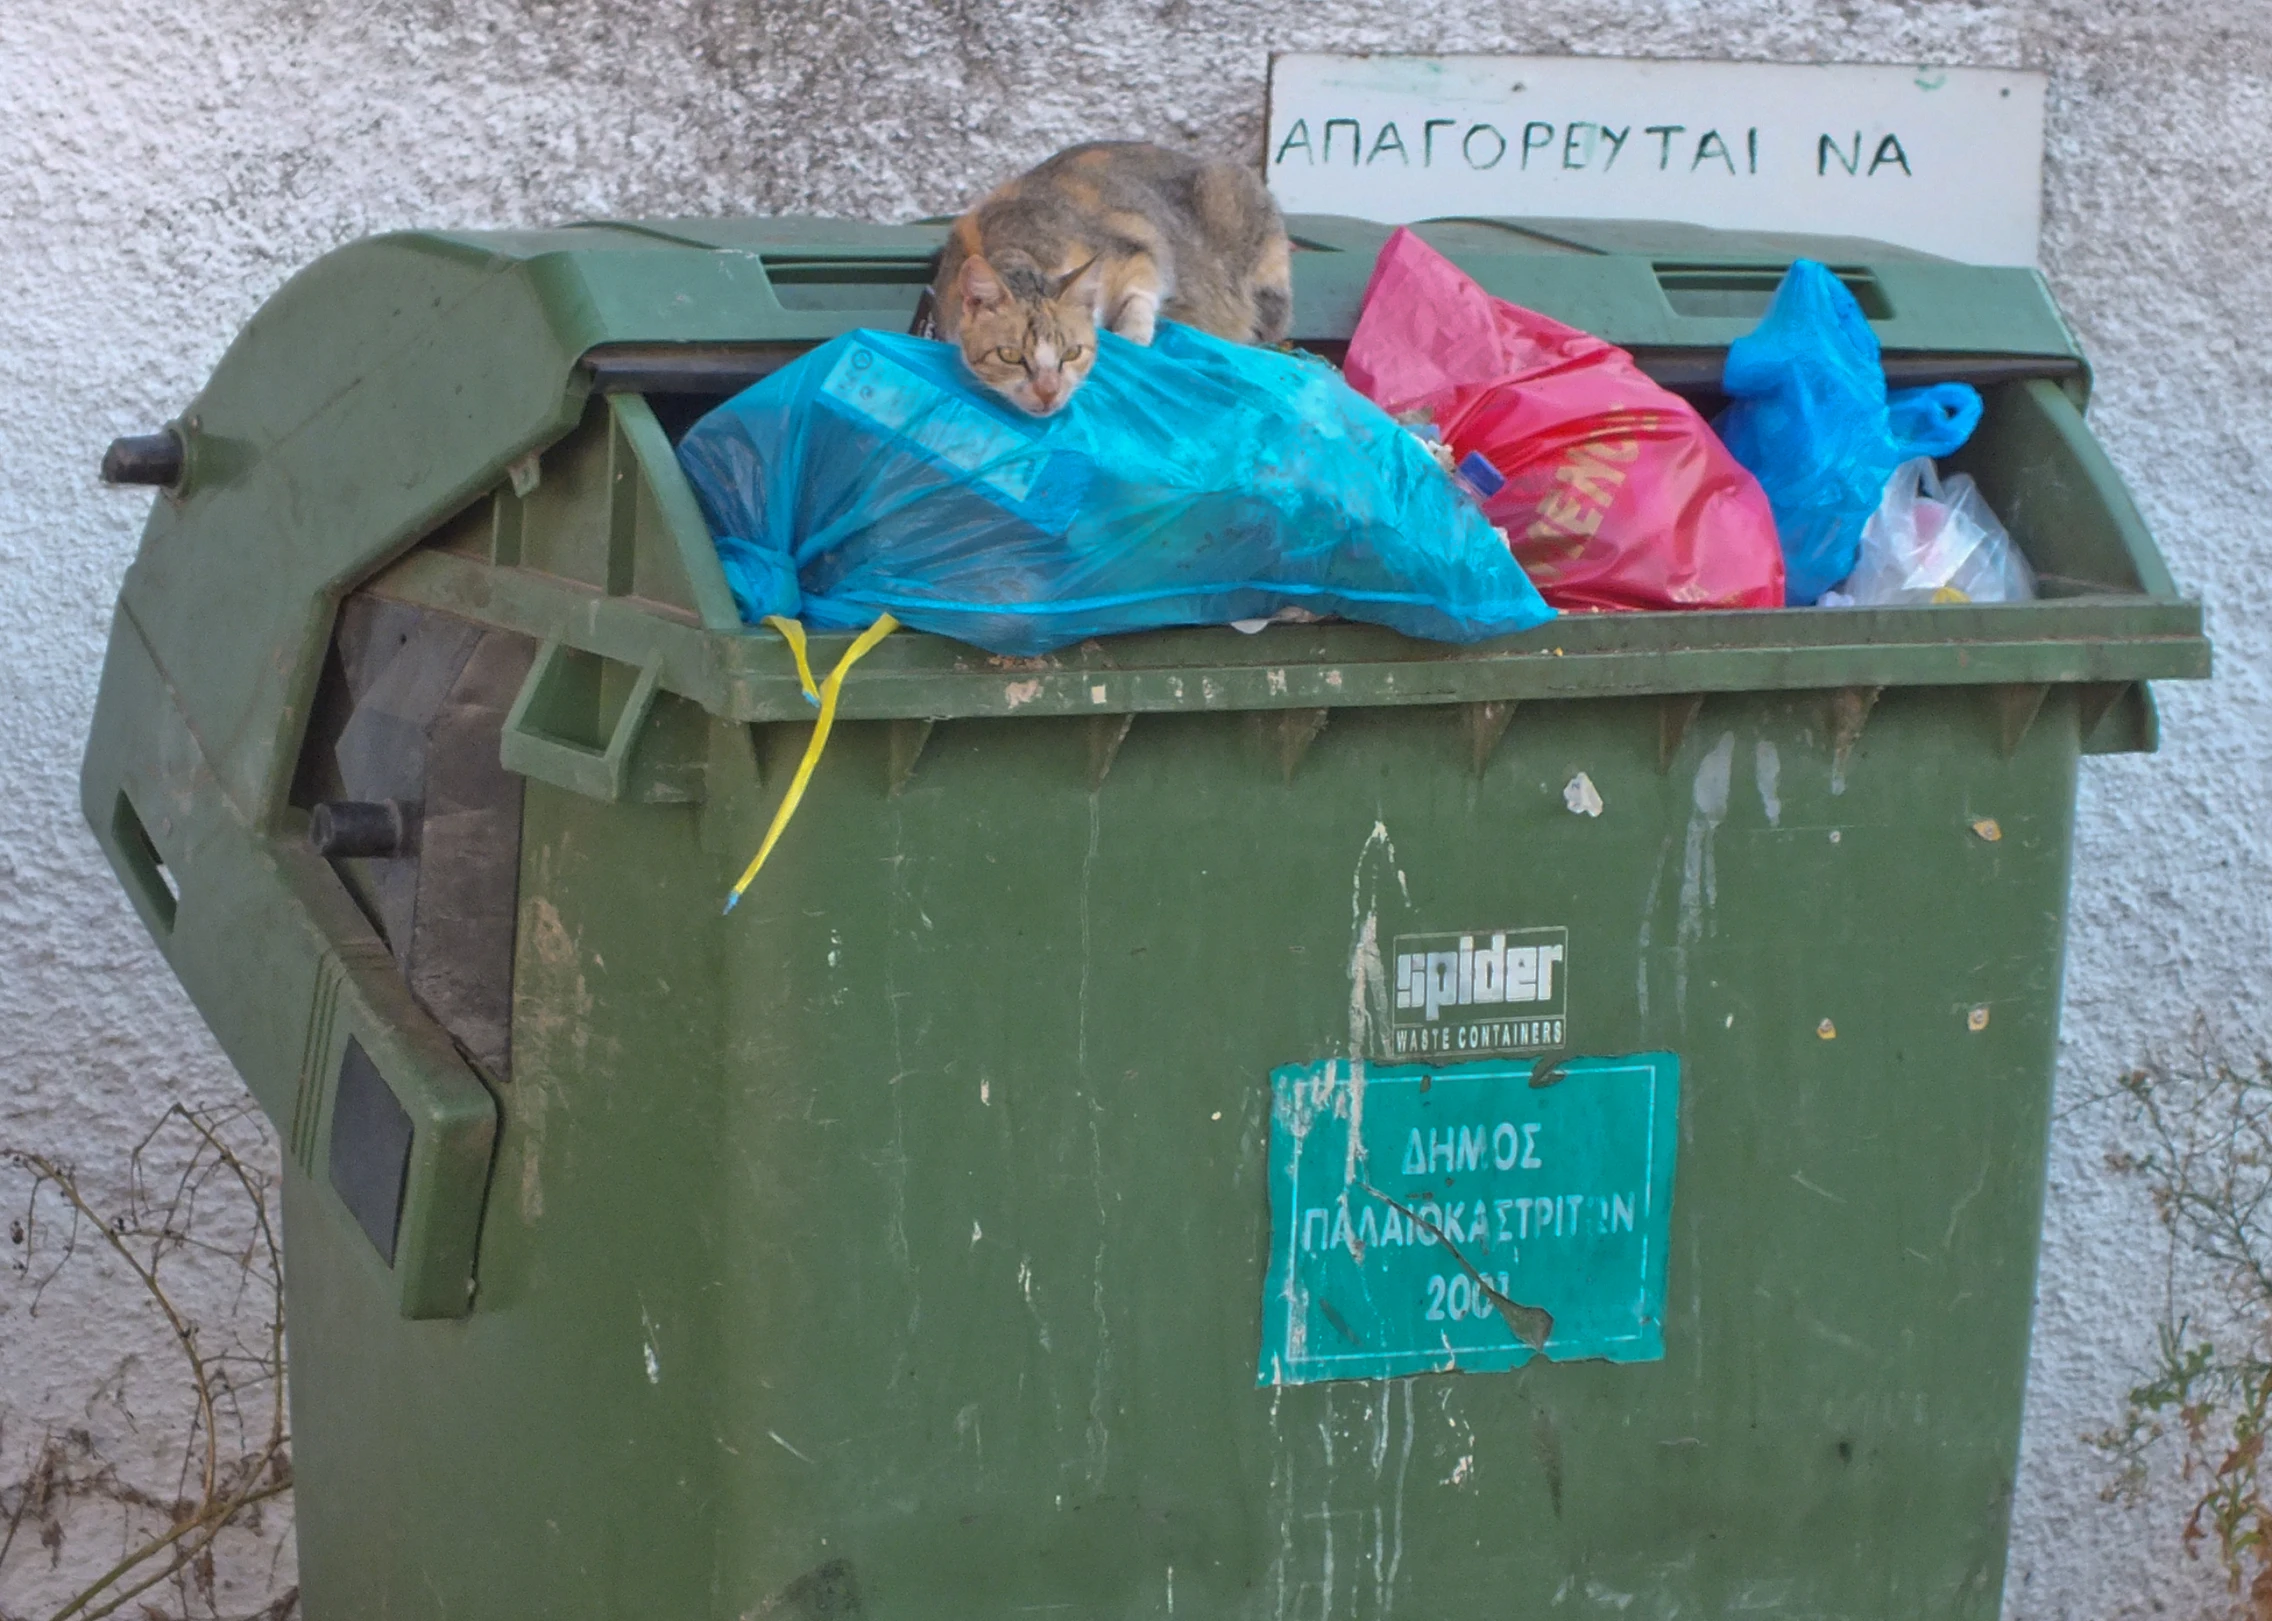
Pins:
<point x="1809" y="415"/>
<point x="763" y="580"/>
<point x="1931" y="421"/>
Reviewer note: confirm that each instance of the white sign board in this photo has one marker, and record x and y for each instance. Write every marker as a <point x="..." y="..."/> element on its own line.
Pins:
<point x="1946" y="160"/>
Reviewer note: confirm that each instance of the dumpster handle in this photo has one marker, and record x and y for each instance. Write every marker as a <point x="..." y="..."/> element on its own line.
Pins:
<point x="597" y="767"/>
<point x="825" y="695"/>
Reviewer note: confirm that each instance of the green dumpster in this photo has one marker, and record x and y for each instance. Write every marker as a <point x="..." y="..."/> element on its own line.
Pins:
<point x="993" y="1215"/>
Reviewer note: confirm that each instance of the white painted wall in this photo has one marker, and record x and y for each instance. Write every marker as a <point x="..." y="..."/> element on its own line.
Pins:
<point x="164" y="167"/>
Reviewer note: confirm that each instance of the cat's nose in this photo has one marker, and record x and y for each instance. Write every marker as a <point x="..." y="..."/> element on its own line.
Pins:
<point x="1047" y="391"/>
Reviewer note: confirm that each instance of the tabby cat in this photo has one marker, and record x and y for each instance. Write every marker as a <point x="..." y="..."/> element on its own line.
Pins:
<point x="1117" y="234"/>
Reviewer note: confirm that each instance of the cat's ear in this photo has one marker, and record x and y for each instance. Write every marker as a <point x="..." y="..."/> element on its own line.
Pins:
<point x="1082" y="285"/>
<point x="981" y="288"/>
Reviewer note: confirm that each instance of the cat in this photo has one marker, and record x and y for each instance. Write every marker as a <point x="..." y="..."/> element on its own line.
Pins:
<point x="1118" y="234"/>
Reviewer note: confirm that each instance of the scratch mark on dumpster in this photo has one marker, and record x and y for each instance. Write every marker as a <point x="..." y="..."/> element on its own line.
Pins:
<point x="1017" y="694"/>
<point x="1762" y="1595"/>
<point x="1699" y="879"/>
<point x="1649" y="925"/>
<point x="1463" y="1468"/>
<point x="1025" y="1287"/>
<point x="1767" y="770"/>
<point x="1380" y="1550"/>
<point x="1377" y="1422"/>
<point x="1081" y="1005"/>
<point x="777" y="1440"/>
<point x="1281" y="1475"/>
<point x="1368" y="983"/>
<point x="1956" y="1211"/>
<point x="896" y="1157"/>
<point x="1800" y="1178"/>
<point x="1322" y="1515"/>
<point x="1364" y="973"/>
<point x="1296" y="1111"/>
<point x="1823" y="1331"/>
<point x="1100" y="1438"/>
<point x="1403" y="1470"/>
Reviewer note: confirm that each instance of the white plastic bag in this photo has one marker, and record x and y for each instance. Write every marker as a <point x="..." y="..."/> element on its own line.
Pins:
<point x="1934" y="541"/>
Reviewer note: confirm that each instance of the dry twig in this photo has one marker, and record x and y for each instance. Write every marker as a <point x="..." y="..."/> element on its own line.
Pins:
<point x="2208" y="1167"/>
<point x="232" y="1461"/>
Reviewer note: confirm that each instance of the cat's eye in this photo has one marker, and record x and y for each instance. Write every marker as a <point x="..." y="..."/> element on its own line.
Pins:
<point x="1009" y="357"/>
<point x="1073" y="352"/>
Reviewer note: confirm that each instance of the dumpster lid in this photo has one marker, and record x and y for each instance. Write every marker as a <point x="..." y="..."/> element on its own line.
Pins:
<point x="402" y="382"/>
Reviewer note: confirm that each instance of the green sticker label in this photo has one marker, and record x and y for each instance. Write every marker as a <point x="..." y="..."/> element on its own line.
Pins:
<point x="1461" y="1219"/>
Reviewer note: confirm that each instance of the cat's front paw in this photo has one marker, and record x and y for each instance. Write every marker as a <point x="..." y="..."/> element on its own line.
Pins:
<point x="1136" y="320"/>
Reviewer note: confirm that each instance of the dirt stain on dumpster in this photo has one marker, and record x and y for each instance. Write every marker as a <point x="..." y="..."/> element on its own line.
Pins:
<point x="827" y="1590"/>
<point x="1546" y="1442"/>
<point x="1649" y="926"/>
<point x="551" y="1010"/>
<point x="549" y="1015"/>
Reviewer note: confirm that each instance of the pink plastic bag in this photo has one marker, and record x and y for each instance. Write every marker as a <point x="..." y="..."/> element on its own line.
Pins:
<point x="1617" y="494"/>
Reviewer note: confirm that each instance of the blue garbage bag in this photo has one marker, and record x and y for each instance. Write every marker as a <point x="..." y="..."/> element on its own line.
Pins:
<point x="1192" y="482"/>
<point x="1810" y="416"/>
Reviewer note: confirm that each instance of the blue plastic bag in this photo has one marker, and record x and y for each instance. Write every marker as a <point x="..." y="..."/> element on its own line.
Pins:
<point x="1192" y="482"/>
<point x="1810" y="416"/>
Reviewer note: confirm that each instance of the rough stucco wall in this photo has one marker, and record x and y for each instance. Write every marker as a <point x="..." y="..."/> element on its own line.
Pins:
<point x="164" y="168"/>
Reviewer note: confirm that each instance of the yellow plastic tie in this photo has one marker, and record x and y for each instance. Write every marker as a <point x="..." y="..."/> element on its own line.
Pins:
<point x="825" y="695"/>
<point x="794" y="634"/>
